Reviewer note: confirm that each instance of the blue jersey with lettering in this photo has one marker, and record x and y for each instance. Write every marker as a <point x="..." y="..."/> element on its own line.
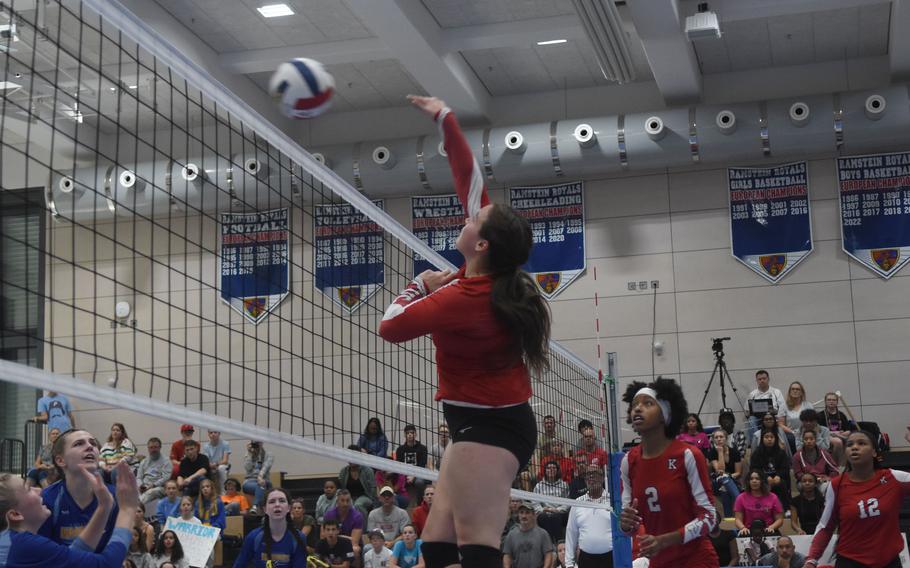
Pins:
<point x="67" y="519"/>
<point x="286" y="553"/>
<point x="27" y="550"/>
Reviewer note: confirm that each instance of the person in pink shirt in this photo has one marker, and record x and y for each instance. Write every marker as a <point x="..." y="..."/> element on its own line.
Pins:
<point x="694" y="434"/>
<point x="757" y="502"/>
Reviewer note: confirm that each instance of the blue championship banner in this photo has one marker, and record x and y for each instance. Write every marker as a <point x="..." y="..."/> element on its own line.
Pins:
<point x="437" y="220"/>
<point x="875" y="210"/>
<point x="557" y="216"/>
<point x="770" y="226"/>
<point x="348" y="255"/>
<point x="254" y="261"/>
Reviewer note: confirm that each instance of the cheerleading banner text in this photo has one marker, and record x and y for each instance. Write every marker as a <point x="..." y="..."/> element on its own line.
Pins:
<point x="437" y="220"/>
<point x="348" y="255"/>
<point x="557" y="217"/>
<point x="254" y="261"/>
<point x="875" y="210"/>
<point x="770" y="224"/>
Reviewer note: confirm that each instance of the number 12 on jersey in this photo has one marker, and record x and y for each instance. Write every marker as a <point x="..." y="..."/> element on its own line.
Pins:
<point x="867" y="509"/>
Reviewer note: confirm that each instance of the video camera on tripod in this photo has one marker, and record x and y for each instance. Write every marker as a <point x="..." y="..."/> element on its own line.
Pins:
<point x="717" y="345"/>
<point x="720" y="372"/>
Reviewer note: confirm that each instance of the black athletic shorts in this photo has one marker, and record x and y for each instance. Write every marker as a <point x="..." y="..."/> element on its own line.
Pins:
<point x="512" y="428"/>
<point x="844" y="562"/>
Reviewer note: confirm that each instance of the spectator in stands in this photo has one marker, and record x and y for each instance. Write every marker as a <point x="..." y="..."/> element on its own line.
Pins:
<point x="421" y="512"/>
<point x="590" y="530"/>
<point x="347" y="518"/>
<point x="335" y="551"/>
<point x="795" y="404"/>
<point x="194" y="467"/>
<point x="560" y="554"/>
<point x="583" y="425"/>
<point x="72" y="499"/>
<point x="235" y="502"/>
<point x="360" y="482"/>
<point x="524" y="480"/>
<point x="546" y="437"/>
<point x="809" y="421"/>
<point x="406" y="552"/>
<point x="512" y="521"/>
<point x="145" y="528"/>
<point x="208" y="506"/>
<point x="55" y="409"/>
<point x="44" y="463"/>
<point x="806" y="508"/>
<point x="694" y="434"/>
<point x="527" y="546"/>
<point x="138" y="551"/>
<point x="757" y="546"/>
<point x="837" y="423"/>
<point x="724" y="543"/>
<point x="388" y="517"/>
<point x="117" y="448"/>
<point x="257" y="465"/>
<point x="589" y="449"/>
<point x="550" y="516"/>
<point x="765" y="391"/>
<point x="327" y="500"/>
<point x="771" y="459"/>
<point x="758" y="503"/>
<point x="812" y="459"/>
<point x="440" y="446"/>
<point x="373" y="440"/>
<point x="566" y="464"/>
<point x="219" y="453"/>
<point x="187" y="511"/>
<point x="579" y="486"/>
<point x="186" y="433"/>
<point x="726" y="469"/>
<point x="22" y="513"/>
<point x="397" y="482"/>
<point x="412" y="452"/>
<point x="275" y="543"/>
<point x="300" y="520"/>
<point x="169" y="549"/>
<point x="169" y="505"/>
<point x="154" y="471"/>
<point x="735" y="438"/>
<point x="785" y="556"/>
<point x="769" y="422"/>
<point x="377" y="556"/>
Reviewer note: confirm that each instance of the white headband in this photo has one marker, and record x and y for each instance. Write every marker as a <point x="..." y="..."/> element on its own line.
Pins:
<point x="663" y="404"/>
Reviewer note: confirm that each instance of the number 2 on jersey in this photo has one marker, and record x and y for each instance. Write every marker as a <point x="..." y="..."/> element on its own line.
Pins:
<point x="653" y="505"/>
<point x="866" y="510"/>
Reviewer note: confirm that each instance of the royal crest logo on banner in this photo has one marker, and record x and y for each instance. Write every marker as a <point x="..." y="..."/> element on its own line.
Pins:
<point x="557" y="216"/>
<point x="770" y="225"/>
<point x="349" y="257"/>
<point x="254" y="261"/>
<point x="437" y="221"/>
<point x="875" y="210"/>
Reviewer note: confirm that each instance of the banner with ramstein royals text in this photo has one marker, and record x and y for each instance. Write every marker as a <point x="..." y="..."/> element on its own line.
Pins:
<point x="349" y="256"/>
<point x="557" y="216"/>
<point x="437" y="220"/>
<point x="770" y="225"/>
<point x="254" y="261"/>
<point x="875" y="210"/>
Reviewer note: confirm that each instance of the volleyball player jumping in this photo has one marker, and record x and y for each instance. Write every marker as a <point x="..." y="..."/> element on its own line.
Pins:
<point x="489" y="325"/>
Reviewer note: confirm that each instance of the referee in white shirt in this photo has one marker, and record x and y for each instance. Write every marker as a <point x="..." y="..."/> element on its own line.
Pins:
<point x="589" y="535"/>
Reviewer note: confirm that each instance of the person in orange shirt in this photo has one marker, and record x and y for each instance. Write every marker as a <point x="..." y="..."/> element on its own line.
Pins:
<point x="235" y="502"/>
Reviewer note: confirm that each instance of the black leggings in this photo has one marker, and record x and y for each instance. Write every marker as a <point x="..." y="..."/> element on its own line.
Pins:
<point x="844" y="562"/>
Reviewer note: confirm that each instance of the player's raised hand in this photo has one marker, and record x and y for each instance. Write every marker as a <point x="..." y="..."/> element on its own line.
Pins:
<point x="429" y="105"/>
<point x="435" y="279"/>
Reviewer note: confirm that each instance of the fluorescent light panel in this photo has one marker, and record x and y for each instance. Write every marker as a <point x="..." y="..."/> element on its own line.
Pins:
<point x="5" y="85"/>
<point x="275" y="10"/>
<point x="552" y="41"/>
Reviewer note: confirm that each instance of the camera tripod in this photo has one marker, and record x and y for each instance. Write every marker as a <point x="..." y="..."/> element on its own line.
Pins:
<point x="720" y="370"/>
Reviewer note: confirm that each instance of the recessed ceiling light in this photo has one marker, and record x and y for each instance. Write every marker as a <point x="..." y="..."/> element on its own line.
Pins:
<point x="7" y="85"/>
<point x="113" y="88"/>
<point x="134" y="86"/>
<point x="275" y="10"/>
<point x="552" y="41"/>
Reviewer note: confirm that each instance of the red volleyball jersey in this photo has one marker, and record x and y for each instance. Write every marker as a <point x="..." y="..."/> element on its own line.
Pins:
<point x="479" y="361"/>
<point x="674" y="494"/>
<point x="867" y="515"/>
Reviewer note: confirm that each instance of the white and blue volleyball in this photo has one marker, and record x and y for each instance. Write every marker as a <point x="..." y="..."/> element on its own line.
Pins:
<point x="303" y="87"/>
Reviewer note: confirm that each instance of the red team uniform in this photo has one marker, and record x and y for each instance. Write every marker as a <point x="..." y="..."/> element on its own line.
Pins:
<point x="867" y="515"/>
<point x="479" y="360"/>
<point x="674" y="494"/>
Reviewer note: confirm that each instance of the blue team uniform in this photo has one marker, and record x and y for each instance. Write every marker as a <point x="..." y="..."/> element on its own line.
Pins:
<point x="286" y="553"/>
<point x="27" y="550"/>
<point x="67" y="519"/>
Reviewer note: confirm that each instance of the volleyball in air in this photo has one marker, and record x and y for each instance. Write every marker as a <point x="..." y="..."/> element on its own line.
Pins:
<point x="303" y="88"/>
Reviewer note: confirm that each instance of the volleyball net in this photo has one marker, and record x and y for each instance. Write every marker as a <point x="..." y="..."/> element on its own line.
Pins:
<point x="168" y="251"/>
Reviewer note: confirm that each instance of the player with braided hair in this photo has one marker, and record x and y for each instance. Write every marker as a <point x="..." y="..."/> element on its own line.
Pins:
<point x="276" y="544"/>
<point x="665" y="482"/>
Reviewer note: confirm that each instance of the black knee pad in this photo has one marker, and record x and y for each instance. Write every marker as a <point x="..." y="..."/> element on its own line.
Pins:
<point x="439" y="554"/>
<point x="480" y="556"/>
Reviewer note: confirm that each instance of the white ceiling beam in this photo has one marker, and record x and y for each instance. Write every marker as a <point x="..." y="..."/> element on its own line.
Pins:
<point x="328" y="53"/>
<point x="413" y="38"/>
<point x="899" y="40"/>
<point x="736" y="10"/>
<point x="670" y="54"/>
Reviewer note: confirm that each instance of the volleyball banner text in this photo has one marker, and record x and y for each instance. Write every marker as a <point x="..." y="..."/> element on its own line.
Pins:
<point x="254" y="261"/>
<point x="197" y="540"/>
<point x="437" y="220"/>
<point x="770" y="225"/>
<point x="557" y="217"/>
<point x="349" y="256"/>
<point x="875" y="210"/>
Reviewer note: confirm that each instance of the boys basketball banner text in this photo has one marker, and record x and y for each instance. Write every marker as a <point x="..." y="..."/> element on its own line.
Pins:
<point x="437" y="221"/>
